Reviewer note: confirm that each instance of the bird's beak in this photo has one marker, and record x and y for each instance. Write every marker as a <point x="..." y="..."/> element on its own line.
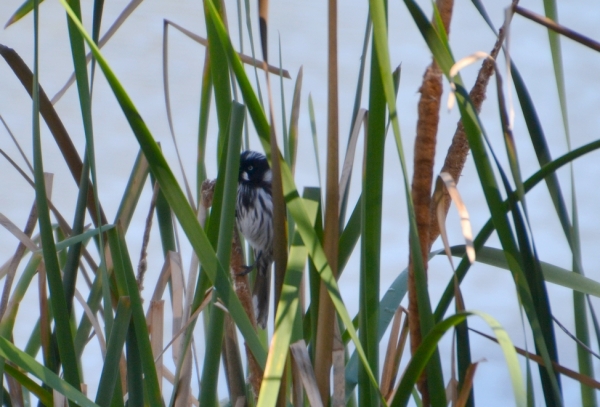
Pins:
<point x="244" y="176"/>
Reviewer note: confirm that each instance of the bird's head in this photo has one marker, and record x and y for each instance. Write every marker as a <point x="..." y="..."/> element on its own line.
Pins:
<point x="254" y="169"/>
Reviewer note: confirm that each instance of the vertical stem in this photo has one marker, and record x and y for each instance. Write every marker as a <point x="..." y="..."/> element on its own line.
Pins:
<point x="372" y="187"/>
<point x="326" y="320"/>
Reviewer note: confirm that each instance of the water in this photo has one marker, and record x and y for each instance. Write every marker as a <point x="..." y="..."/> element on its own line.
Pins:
<point x="135" y="55"/>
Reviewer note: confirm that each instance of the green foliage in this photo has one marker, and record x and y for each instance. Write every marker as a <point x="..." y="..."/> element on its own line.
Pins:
<point x="278" y="363"/>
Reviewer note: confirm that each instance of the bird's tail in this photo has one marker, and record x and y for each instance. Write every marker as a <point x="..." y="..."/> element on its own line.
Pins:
<point x="261" y="293"/>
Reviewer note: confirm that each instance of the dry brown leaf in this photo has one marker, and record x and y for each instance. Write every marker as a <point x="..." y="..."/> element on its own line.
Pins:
<point x="463" y="63"/>
<point x="177" y="300"/>
<point x="452" y="390"/>
<point x="339" y="369"/>
<point x="465" y="222"/>
<point x="16" y="232"/>
<point x="307" y="373"/>
<point x="207" y="298"/>
<point x="167" y="374"/>
<point x="244" y="58"/>
<point x="361" y="121"/>
<point x="389" y="367"/>
<point x="588" y="381"/>
<point x="467" y="385"/>
<point x="156" y="331"/>
<point x="107" y="36"/>
<point x="93" y="320"/>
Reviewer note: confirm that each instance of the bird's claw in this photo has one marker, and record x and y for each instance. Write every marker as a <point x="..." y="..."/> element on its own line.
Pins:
<point x="246" y="270"/>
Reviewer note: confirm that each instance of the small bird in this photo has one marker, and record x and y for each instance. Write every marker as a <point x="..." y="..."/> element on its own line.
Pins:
<point x="254" y="219"/>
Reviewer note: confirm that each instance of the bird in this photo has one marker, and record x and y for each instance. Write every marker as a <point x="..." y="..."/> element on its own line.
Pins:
<point x="254" y="220"/>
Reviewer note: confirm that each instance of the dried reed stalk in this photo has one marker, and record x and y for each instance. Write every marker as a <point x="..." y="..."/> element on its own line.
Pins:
<point x="242" y="289"/>
<point x="425" y="141"/>
<point x="327" y="319"/>
<point x="56" y="127"/>
<point x="143" y="263"/>
<point x="459" y="149"/>
<point x="16" y="260"/>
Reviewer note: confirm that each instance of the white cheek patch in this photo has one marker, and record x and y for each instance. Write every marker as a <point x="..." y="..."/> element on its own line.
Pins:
<point x="245" y="176"/>
<point x="268" y="177"/>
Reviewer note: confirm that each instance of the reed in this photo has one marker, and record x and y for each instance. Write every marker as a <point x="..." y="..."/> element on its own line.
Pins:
<point x="194" y="340"/>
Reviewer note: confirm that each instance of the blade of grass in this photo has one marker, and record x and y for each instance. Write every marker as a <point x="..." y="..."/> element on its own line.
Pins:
<point x="133" y="191"/>
<point x="29" y="364"/>
<point x="220" y="78"/>
<point x="314" y="280"/>
<point x="284" y="127"/>
<point x="286" y="313"/>
<point x="434" y="373"/>
<point x="43" y="395"/>
<point x="429" y="344"/>
<point x="371" y="203"/>
<point x="74" y="254"/>
<point x="292" y="149"/>
<point x="21" y="12"/>
<point x="96" y="23"/>
<point x="110" y="370"/>
<point x="203" y="117"/>
<point x="138" y="342"/>
<point x="9" y="319"/>
<point x="135" y="371"/>
<point x="295" y="115"/>
<point x="251" y="37"/>
<point x="83" y="237"/>
<point x="552" y="273"/>
<point x="58" y="301"/>
<point x="208" y="393"/>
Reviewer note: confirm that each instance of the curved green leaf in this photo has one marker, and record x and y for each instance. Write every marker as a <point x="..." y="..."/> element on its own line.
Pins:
<point x="429" y="345"/>
<point x="552" y="273"/>
<point x="29" y="364"/>
<point x="287" y="311"/>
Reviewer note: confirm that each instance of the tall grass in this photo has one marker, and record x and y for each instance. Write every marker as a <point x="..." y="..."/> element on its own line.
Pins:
<point x="315" y="352"/>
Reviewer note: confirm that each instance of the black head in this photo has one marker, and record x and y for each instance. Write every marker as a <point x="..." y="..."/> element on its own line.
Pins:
<point x="254" y="169"/>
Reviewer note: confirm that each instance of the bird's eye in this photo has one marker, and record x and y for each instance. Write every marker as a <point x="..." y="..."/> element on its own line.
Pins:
<point x="250" y="167"/>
